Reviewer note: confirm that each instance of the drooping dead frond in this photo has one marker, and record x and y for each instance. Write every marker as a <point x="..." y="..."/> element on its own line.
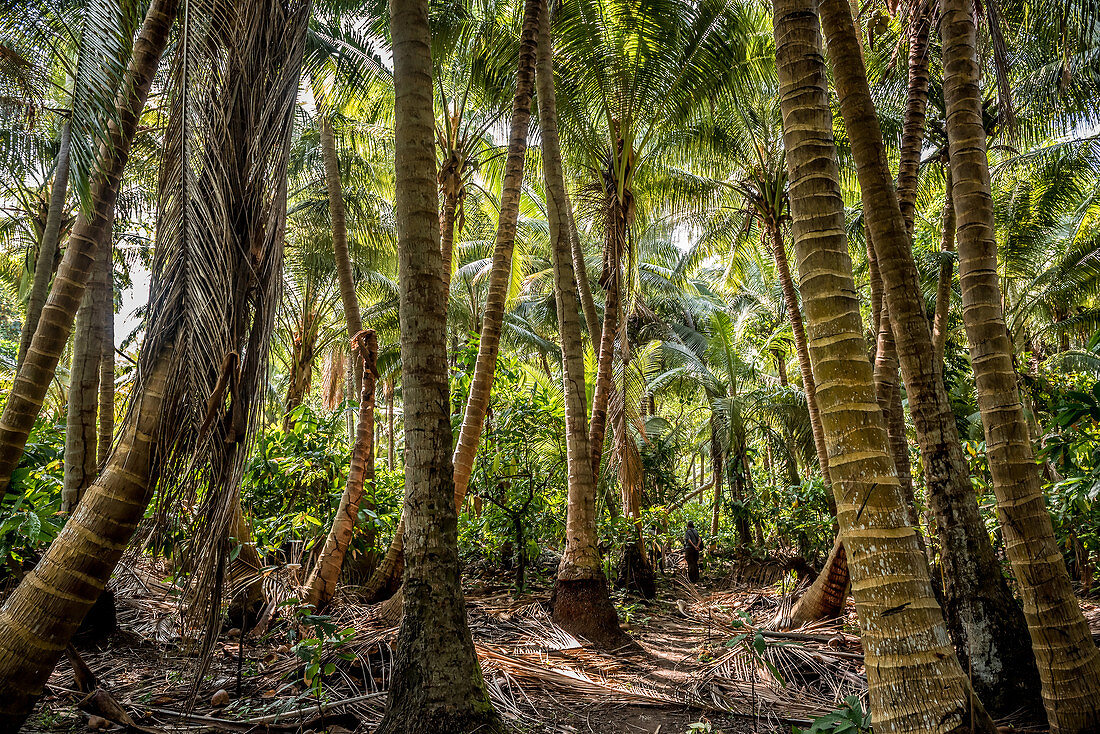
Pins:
<point x="218" y="267"/>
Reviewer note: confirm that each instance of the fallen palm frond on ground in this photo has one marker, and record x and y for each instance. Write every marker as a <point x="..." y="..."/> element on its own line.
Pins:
<point x="690" y="659"/>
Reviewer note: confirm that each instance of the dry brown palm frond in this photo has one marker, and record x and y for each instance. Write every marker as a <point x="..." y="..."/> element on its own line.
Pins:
<point x="217" y="268"/>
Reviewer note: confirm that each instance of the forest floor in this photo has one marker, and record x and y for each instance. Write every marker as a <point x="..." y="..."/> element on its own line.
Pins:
<point x="699" y="665"/>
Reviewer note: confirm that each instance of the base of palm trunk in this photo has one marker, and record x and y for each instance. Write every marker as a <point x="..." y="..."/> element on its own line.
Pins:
<point x="245" y="608"/>
<point x="582" y="608"/>
<point x="386" y="579"/>
<point x="1002" y="665"/>
<point x="826" y="596"/>
<point x="635" y="572"/>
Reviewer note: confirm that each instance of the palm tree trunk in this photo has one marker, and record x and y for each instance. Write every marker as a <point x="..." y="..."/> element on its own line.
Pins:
<point x="717" y="461"/>
<point x="601" y="391"/>
<point x="42" y="614"/>
<point x="1068" y="660"/>
<point x="436" y="685"/>
<point x="983" y="619"/>
<point x="580" y="598"/>
<point x="325" y="576"/>
<point x="916" y="105"/>
<point x="946" y="274"/>
<point x="584" y="285"/>
<point x="915" y="680"/>
<point x="390" y="449"/>
<point x="106" y="284"/>
<point x="51" y="334"/>
<point x="481" y="386"/>
<point x="826" y="596"/>
<point x="47" y="246"/>
<point x="338" y="216"/>
<point x="81" y="426"/>
<point x="794" y="313"/>
<point x="447" y="221"/>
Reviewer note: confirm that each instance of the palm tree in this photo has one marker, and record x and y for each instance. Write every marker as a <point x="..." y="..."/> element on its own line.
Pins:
<point x="55" y="324"/>
<point x="437" y="684"/>
<point x="323" y="579"/>
<point x="1067" y="658"/>
<point x="160" y="434"/>
<point x="986" y="625"/>
<point x="915" y="680"/>
<point x="580" y="600"/>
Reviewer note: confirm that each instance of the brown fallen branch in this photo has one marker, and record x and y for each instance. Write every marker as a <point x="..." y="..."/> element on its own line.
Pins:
<point x="247" y="724"/>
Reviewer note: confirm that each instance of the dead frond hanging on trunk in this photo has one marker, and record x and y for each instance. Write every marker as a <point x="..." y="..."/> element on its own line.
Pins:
<point x="217" y="272"/>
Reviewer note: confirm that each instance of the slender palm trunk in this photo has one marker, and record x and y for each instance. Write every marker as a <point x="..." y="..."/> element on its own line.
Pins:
<point x="47" y="246"/>
<point x="106" y="285"/>
<point x="1068" y="660"/>
<point x="717" y="460"/>
<point x="52" y="332"/>
<point x="580" y="600"/>
<point x="584" y="286"/>
<point x="447" y="222"/>
<point x="81" y="426"/>
<point x="946" y="274"/>
<point x="390" y="449"/>
<point x="794" y="313"/>
<point x="436" y="685"/>
<point x="337" y="213"/>
<point x="914" y="677"/>
<point x="42" y="614"/>
<point x="983" y="618"/>
<point x="604" y="383"/>
<point x="325" y="576"/>
<point x="481" y="386"/>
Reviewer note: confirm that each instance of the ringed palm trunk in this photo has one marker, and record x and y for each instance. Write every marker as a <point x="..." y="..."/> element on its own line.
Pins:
<point x="81" y="426"/>
<point x="826" y="596"/>
<point x="337" y="213"/>
<point x="915" y="680"/>
<point x="481" y="386"/>
<point x="947" y="271"/>
<point x="985" y="623"/>
<point x="1067" y="658"/>
<point x="47" y="246"/>
<point x="42" y="614"/>
<point x="436" y="685"/>
<point x="794" y="313"/>
<point x="580" y="600"/>
<point x="604" y="382"/>
<point x="717" y="461"/>
<point x="106" y="284"/>
<point x="325" y="576"/>
<point x="473" y="420"/>
<point x="52" y="332"/>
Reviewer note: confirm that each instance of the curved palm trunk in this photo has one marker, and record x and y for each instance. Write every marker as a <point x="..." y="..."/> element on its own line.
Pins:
<point x="914" y="677"/>
<point x="826" y="596"/>
<point x="1068" y="660"/>
<point x="81" y="426"/>
<point x="42" y="614"/>
<point x="946" y="274"/>
<point x="47" y="246"/>
<point x="473" y="420"/>
<point x="794" y="313"/>
<point x="337" y="213"/>
<point x="436" y="685"/>
<point x="106" y="284"/>
<point x="325" y="576"/>
<point x="580" y="601"/>
<point x="52" y="332"/>
<point x="390" y="450"/>
<point x="985" y="623"/>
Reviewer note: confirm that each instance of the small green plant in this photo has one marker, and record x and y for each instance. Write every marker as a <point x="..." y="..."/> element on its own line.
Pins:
<point x="752" y="642"/>
<point x="850" y="718"/>
<point x="702" y="727"/>
<point x="311" y="650"/>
